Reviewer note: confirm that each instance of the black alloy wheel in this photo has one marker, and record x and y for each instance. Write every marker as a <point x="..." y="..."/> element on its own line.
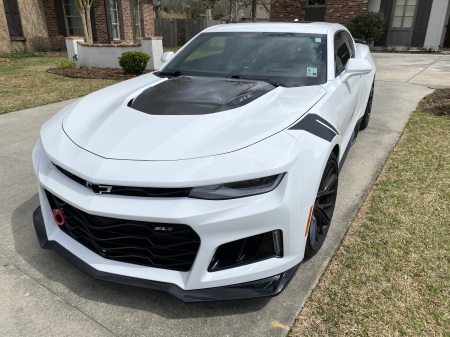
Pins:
<point x="366" y="117"/>
<point x="323" y="207"/>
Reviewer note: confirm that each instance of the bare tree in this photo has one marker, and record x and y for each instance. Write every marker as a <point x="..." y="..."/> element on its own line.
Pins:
<point x="84" y="8"/>
<point x="136" y="16"/>
<point x="253" y="9"/>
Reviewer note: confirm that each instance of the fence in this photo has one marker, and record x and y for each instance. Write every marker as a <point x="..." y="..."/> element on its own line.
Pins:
<point x="176" y="32"/>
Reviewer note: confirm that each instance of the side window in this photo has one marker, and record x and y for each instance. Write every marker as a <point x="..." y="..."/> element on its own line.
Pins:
<point x="351" y="44"/>
<point x="343" y="50"/>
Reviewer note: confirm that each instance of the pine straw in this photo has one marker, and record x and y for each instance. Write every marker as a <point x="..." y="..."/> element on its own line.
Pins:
<point x="437" y="103"/>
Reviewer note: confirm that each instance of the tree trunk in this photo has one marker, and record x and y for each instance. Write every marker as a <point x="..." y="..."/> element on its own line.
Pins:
<point x="135" y="20"/>
<point x="84" y="26"/>
<point x="84" y="8"/>
<point x="253" y="10"/>
<point x="90" y="39"/>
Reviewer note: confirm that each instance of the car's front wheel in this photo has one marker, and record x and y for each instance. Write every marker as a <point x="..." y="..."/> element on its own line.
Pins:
<point x="323" y="207"/>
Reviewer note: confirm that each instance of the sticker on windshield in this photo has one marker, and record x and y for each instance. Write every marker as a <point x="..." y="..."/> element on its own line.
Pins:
<point x="318" y="39"/>
<point x="311" y="72"/>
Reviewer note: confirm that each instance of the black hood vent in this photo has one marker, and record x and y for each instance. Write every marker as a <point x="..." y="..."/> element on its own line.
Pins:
<point x="186" y="95"/>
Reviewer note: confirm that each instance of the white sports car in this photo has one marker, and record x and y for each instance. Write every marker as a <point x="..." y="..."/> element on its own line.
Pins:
<point x="213" y="178"/>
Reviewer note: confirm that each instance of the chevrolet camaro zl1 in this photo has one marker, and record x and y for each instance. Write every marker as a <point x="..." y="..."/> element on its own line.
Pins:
<point x="213" y="178"/>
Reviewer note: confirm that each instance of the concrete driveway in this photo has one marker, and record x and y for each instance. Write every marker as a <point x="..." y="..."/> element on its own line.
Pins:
<point x="43" y="295"/>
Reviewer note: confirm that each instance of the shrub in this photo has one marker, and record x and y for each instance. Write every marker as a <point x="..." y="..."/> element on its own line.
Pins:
<point x="66" y="64"/>
<point x="134" y="62"/>
<point x="39" y="44"/>
<point x="368" y="26"/>
<point x="58" y="43"/>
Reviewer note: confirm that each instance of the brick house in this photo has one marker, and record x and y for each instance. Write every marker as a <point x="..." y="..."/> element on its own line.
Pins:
<point x="408" y="22"/>
<point x="19" y="20"/>
<point x="111" y="20"/>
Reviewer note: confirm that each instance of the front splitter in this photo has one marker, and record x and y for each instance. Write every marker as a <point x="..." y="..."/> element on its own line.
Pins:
<point x="270" y="286"/>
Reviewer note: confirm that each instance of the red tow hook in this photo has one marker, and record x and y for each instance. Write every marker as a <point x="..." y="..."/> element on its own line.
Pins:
<point x="58" y="216"/>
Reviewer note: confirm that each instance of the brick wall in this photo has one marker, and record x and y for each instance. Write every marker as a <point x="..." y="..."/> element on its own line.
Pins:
<point x="33" y="24"/>
<point x="101" y="23"/>
<point x="148" y="12"/>
<point x="287" y="10"/>
<point x="50" y="17"/>
<point x="340" y="11"/>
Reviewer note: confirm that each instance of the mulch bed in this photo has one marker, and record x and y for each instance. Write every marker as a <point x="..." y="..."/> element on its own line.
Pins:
<point x="437" y="103"/>
<point x="93" y="73"/>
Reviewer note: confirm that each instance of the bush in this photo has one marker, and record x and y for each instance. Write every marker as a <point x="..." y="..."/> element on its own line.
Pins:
<point x="58" y="43"/>
<point x="66" y="64"/>
<point x="134" y="62"/>
<point x="39" y="44"/>
<point x="368" y="26"/>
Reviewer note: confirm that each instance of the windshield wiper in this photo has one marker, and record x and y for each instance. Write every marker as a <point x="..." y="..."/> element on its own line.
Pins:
<point x="251" y="78"/>
<point x="170" y="73"/>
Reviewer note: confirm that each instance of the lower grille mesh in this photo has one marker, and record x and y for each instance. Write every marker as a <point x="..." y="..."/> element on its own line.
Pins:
<point x="159" y="245"/>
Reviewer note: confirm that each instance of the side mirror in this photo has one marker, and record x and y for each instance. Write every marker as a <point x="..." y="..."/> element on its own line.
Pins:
<point x="167" y="56"/>
<point x="355" y="67"/>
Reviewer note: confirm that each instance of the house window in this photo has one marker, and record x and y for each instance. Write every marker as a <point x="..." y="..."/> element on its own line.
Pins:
<point x="73" y="19"/>
<point x="404" y="11"/>
<point x="13" y="19"/>
<point x="315" y="10"/>
<point x="114" y="13"/>
<point x="316" y="2"/>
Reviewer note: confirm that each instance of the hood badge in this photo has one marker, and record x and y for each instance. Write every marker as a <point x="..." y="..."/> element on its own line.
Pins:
<point x="99" y="189"/>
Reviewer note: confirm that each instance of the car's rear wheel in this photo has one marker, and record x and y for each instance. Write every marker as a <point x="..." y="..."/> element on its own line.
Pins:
<point x="366" y="117"/>
<point x="323" y="207"/>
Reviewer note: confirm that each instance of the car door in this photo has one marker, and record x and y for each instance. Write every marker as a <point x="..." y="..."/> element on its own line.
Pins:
<point x="345" y="95"/>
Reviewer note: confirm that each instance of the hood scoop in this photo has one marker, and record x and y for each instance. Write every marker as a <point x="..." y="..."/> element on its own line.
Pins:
<point x="185" y="95"/>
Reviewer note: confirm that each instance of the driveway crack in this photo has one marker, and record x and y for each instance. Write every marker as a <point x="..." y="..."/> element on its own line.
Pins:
<point x="420" y="72"/>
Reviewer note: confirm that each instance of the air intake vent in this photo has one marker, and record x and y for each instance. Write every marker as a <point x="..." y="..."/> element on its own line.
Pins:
<point x="159" y="245"/>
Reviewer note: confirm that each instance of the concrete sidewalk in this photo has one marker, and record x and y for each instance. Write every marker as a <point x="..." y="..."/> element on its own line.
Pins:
<point x="43" y="295"/>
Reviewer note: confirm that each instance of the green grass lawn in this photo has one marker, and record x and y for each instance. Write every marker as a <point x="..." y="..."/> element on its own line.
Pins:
<point x="25" y="83"/>
<point x="391" y="274"/>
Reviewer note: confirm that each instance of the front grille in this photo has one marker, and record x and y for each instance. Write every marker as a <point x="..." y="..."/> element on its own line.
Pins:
<point x="129" y="190"/>
<point x="159" y="245"/>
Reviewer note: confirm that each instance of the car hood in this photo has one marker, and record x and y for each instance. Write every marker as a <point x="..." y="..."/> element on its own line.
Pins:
<point x="149" y="118"/>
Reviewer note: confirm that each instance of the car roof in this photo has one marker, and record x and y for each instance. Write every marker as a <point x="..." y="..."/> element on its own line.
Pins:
<point x="283" y="27"/>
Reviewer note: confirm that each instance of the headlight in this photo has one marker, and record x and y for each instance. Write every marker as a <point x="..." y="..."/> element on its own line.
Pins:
<point x="237" y="189"/>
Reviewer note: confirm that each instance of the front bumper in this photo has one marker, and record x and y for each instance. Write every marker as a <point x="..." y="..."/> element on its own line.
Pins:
<point x="216" y="223"/>
<point x="261" y="288"/>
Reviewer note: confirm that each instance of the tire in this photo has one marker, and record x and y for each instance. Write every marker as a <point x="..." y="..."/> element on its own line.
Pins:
<point x="366" y="117"/>
<point x="323" y="208"/>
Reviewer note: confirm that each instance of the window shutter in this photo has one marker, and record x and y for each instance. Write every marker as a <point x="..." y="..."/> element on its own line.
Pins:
<point x="108" y="19"/>
<point x="13" y="18"/>
<point x="60" y="20"/>
<point x="122" y="30"/>
<point x="421" y="24"/>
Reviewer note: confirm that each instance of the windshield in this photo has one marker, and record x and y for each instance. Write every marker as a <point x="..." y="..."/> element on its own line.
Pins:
<point x="285" y="59"/>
